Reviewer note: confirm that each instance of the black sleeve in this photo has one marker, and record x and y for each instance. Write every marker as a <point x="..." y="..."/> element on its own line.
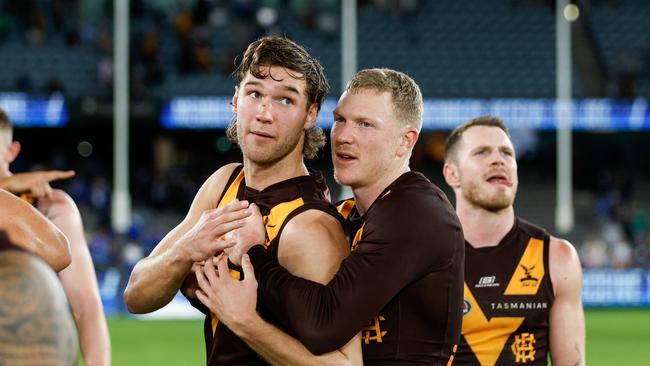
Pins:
<point x="404" y="238"/>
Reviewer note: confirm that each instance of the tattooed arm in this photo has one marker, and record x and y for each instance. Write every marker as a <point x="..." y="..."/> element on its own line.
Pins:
<point x="35" y="324"/>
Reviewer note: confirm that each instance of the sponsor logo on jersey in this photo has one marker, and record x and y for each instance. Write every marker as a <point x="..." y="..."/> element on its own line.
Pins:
<point x="487" y="281"/>
<point x="513" y="305"/>
<point x="467" y="306"/>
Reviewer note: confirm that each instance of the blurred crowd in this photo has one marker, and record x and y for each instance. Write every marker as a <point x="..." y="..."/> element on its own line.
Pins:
<point x="184" y="31"/>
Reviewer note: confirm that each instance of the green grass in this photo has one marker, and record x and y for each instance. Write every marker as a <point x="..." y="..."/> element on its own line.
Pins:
<point x="614" y="337"/>
<point x="618" y="337"/>
<point x="156" y="342"/>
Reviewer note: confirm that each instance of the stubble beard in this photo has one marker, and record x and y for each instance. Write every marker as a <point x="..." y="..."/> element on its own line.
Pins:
<point x="269" y="155"/>
<point x="494" y="203"/>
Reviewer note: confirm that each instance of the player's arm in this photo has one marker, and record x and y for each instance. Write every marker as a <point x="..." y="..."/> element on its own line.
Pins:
<point x="79" y="281"/>
<point x="567" y="321"/>
<point x="157" y="278"/>
<point x="32" y="231"/>
<point x="35" y="324"/>
<point x="396" y="248"/>
<point x="36" y="184"/>
<point x="312" y="246"/>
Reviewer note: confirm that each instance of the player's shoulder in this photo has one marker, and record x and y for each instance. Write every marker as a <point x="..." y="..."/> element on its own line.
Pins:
<point x="58" y="200"/>
<point x="314" y="219"/>
<point x="224" y="173"/>
<point x="316" y="229"/>
<point x="564" y="267"/>
<point x="218" y="180"/>
<point x="413" y="197"/>
<point x="562" y="252"/>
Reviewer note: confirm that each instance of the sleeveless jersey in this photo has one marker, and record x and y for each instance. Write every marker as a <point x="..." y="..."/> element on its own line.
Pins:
<point x="508" y="298"/>
<point x="278" y="204"/>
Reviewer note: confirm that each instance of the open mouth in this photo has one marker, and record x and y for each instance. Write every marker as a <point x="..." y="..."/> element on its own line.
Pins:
<point x="345" y="157"/>
<point x="499" y="179"/>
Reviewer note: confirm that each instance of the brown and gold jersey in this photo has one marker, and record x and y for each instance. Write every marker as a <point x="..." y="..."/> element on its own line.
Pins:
<point x="508" y="297"/>
<point x="401" y="286"/>
<point x="278" y="203"/>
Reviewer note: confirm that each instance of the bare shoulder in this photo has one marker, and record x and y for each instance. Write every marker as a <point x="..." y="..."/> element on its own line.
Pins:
<point x="312" y="246"/>
<point x="564" y="264"/>
<point x="561" y="252"/>
<point x="315" y="224"/>
<point x="211" y="190"/>
<point x="221" y="175"/>
<point x="59" y="202"/>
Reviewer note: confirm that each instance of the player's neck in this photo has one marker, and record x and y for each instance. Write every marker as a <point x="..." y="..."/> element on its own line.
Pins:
<point x="5" y="172"/>
<point x="483" y="228"/>
<point x="365" y="196"/>
<point x="260" y="176"/>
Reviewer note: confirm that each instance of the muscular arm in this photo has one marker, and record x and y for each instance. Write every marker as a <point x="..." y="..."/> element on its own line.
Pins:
<point x="312" y="246"/>
<point x="157" y="278"/>
<point x="567" y="322"/>
<point x="396" y="248"/>
<point x="29" y="229"/>
<point x="35" y="325"/>
<point x="79" y="281"/>
<point x="303" y="253"/>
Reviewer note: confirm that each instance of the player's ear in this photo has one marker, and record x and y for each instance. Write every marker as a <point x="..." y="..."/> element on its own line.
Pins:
<point x="451" y="174"/>
<point x="312" y="113"/>
<point x="13" y="151"/>
<point x="407" y="140"/>
<point x="233" y="101"/>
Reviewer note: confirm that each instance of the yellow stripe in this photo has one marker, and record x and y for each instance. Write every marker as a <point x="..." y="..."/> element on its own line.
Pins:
<point x="277" y="216"/>
<point x="451" y="358"/>
<point x="345" y="208"/>
<point x="231" y="192"/>
<point x="530" y="270"/>
<point x="357" y="237"/>
<point x="486" y="338"/>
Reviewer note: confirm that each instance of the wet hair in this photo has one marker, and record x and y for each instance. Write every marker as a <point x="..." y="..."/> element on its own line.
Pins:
<point x="282" y="52"/>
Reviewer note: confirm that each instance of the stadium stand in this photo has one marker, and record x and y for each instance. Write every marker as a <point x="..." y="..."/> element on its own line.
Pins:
<point x="455" y="49"/>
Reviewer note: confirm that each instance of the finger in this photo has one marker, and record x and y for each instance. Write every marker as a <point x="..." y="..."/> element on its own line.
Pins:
<point x="218" y="244"/>
<point x="222" y="267"/>
<point x="210" y="272"/>
<point x="37" y="191"/>
<point x="236" y="205"/>
<point x="247" y="267"/>
<point x="220" y="229"/>
<point x="203" y="298"/>
<point x="196" y="266"/>
<point x="203" y="282"/>
<point x="230" y="215"/>
<point x="255" y="210"/>
<point x="58" y="174"/>
<point x="47" y="190"/>
<point x="233" y="206"/>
